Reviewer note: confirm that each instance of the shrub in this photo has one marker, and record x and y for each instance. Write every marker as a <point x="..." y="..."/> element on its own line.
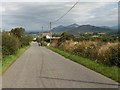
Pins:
<point x="68" y="45"/>
<point x="108" y="54"/>
<point x="97" y="50"/>
<point x="54" y="43"/>
<point x="64" y="37"/>
<point x="38" y="39"/>
<point x="18" y="32"/>
<point x="25" y="40"/>
<point x="10" y="44"/>
<point x="87" y="49"/>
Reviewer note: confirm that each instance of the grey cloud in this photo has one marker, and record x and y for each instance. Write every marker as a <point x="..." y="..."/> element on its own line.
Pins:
<point x="34" y="15"/>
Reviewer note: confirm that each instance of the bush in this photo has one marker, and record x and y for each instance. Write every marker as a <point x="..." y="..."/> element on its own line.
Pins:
<point x="108" y="54"/>
<point x="68" y="45"/>
<point x="102" y="49"/>
<point x="87" y="49"/>
<point x="13" y="40"/>
<point x="64" y="37"/>
<point x="25" y="40"/>
<point x="10" y="44"/>
<point x="54" y="43"/>
<point x="38" y="39"/>
<point x="101" y="52"/>
<point x="18" y="32"/>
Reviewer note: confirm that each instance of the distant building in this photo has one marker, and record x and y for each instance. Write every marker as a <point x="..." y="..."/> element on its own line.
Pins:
<point x="48" y="35"/>
<point x="101" y="33"/>
<point x="89" y="33"/>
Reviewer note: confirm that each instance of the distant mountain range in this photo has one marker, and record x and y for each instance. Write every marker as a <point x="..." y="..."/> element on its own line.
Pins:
<point x="76" y="29"/>
<point x="114" y="27"/>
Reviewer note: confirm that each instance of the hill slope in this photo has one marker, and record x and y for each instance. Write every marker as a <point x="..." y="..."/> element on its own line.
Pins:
<point x="76" y="29"/>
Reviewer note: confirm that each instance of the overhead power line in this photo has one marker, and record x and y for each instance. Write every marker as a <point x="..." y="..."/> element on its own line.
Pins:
<point x="66" y="12"/>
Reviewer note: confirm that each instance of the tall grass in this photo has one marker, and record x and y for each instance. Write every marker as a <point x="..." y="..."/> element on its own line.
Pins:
<point x="108" y="54"/>
<point x="101" y="52"/>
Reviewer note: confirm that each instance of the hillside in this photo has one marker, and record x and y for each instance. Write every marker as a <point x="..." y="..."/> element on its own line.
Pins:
<point x="76" y="29"/>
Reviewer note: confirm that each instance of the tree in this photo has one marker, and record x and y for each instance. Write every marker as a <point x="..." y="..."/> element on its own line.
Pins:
<point x="19" y="32"/>
<point x="66" y="36"/>
<point x="10" y="44"/>
<point x="25" y="40"/>
<point x="13" y="40"/>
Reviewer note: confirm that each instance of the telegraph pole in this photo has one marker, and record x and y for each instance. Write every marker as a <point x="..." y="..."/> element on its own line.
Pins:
<point x="50" y="25"/>
<point x="50" y="30"/>
<point x="42" y="36"/>
<point x="42" y="28"/>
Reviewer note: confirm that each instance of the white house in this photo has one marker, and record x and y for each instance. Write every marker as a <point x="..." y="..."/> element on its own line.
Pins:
<point x="48" y="35"/>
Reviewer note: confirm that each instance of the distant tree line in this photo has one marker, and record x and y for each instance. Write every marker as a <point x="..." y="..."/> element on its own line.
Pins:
<point x="14" y="40"/>
<point x="88" y="37"/>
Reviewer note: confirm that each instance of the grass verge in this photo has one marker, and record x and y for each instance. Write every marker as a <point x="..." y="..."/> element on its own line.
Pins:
<point x="9" y="60"/>
<point x="111" y="72"/>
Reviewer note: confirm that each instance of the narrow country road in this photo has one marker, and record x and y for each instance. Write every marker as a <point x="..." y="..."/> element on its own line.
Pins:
<point x="39" y="67"/>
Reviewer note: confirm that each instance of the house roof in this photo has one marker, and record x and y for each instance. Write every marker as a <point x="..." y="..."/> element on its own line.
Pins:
<point x="47" y="34"/>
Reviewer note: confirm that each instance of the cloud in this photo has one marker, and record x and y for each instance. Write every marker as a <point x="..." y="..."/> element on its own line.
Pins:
<point x="59" y="0"/>
<point x="34" y="15"/>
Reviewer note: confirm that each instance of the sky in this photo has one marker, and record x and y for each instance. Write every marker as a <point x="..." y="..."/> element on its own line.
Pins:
<point x="33" y="15"/>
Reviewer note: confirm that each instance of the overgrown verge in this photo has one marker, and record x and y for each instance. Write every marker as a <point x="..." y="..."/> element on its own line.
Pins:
<point x="14" y="43"/>
<point x="14" y="40"/>
<point x="9" y="60"/>
<point x="109" y="71"/>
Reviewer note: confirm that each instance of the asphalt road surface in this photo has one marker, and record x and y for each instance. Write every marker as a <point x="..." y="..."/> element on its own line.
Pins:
<point x="39" y="67"/>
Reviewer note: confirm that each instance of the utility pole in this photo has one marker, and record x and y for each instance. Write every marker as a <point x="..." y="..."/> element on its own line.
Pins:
<point x="50" y="30"/>
<point x="50" y="25"/>
<point x="42" y="36"/>
<point x="42" y="28"/>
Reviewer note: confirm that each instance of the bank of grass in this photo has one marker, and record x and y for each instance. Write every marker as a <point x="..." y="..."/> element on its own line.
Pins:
<point x="111" y="72"/>
<point x="9" y="60"/>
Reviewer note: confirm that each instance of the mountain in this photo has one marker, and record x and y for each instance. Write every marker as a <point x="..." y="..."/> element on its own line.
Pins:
<point x="64" y="28"/>
<point x="73" y="26"/>
<point x="114" y="27"/>
<point x="58" y="29"/>
<point x="105" y="27"/>
<point x="76" y="29"/>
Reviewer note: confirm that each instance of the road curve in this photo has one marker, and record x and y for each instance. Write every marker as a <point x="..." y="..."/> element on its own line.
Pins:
<point x="39" y="67"/>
